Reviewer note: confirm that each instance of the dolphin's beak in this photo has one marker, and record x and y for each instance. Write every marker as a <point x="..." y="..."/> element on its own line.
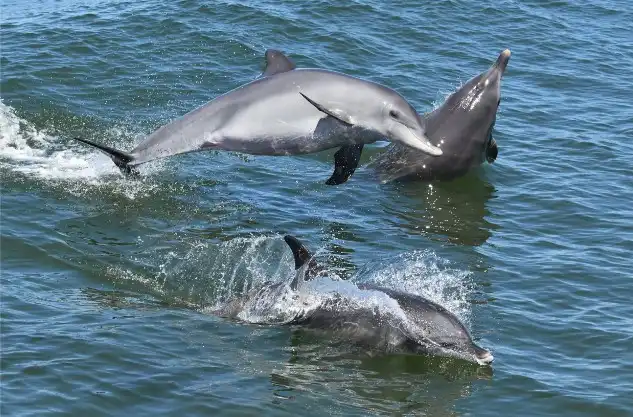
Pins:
<point x="483" y="356"/>
<point x="485" y="359"/>
<point x="408" y="137"/>
<point x="502" y="61"/>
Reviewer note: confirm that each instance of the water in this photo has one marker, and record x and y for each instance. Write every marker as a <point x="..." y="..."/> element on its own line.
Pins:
<point x="107" y="284"/>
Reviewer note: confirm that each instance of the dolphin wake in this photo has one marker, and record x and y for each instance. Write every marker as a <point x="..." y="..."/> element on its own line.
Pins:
<point x="29" y="153"/>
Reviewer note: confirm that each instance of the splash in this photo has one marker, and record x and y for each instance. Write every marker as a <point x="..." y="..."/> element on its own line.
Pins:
<point x="210" y="273"/>
<point x="443" y="95"/>
<point x="279" y="304"/>
<point x="368" y="315"/>
<point x="426" y="274"/>
<point x="37" y="154"/>
<point x="248" y="279"/>
<point x="421" y="273"/>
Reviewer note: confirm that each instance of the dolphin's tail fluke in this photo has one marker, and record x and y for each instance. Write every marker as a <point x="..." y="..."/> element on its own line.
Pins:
<point x="121" y="159"/>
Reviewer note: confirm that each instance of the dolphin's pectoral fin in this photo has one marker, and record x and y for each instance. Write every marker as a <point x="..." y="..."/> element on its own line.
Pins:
<point x="302" y="256"/>
<point x="276" y="63"/>
<point x="345" y="163"/>
<point x="492" y="151"/>
<point x="337" y="114"/>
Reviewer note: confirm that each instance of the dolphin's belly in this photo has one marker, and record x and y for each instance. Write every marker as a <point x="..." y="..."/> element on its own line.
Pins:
<point x="285" y="124"/>
<point x="291" y="141"/>
<point x="271" y="134"/>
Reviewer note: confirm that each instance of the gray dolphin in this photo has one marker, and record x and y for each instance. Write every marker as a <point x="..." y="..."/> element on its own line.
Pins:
<point x="425" y="327"/>
<point x="461" y="127"/>
<point x="285" y="111"/>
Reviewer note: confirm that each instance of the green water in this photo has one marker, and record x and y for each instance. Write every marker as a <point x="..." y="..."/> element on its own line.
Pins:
<point x="107" y="284"/>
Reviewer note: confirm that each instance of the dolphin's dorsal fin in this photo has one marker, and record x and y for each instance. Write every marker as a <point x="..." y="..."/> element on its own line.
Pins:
<point x="302" y="256"/>
<point x="300" y="252"/>
<point x="277" y="62"/>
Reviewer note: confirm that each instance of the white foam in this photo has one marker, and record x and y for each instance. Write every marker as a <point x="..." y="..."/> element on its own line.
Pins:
<point x="25" y="149"/>
<point x="421" y="273"/>
<point x="282" y="304"/>
<point x="41" y="155"/>
<point x="426" y="274"/>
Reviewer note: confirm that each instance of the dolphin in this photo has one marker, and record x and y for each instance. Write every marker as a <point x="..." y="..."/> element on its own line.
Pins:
<point x="285" y="111"/>
<point x="417" y="325"/>
<point x="462" y="127"/>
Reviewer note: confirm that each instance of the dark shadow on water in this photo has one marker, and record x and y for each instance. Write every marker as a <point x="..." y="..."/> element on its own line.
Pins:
<point x="454" y="211"/>
<point x="385" y="384"/>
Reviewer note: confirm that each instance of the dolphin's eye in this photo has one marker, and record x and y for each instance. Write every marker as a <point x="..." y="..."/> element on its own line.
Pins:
<point x="394" y="114"/>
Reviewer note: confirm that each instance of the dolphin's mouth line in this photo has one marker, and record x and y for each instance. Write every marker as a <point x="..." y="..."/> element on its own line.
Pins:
<point x="485" y="359"/>
<point x="429" y="147"/>
<point x="413" y="132"/>
<point x="407" y="124"/>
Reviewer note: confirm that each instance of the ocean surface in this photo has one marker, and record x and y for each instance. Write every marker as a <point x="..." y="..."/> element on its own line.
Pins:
<point x="108" y="284"/>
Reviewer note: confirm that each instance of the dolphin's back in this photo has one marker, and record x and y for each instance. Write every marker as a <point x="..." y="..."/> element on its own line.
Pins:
<point x="363" y="325"/>
<point x="435" y="322"/>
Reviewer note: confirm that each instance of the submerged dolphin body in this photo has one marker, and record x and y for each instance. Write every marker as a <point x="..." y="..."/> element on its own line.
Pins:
<point x="415" y="325"/>
<point x="461" y="127"/>
<point x="285" y="111"/>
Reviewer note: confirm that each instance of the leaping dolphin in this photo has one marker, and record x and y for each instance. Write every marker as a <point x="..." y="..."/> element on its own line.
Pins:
<point x="418" y="325"/>
<point x="286" y="111"/>
<point x="462" y="127"/>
